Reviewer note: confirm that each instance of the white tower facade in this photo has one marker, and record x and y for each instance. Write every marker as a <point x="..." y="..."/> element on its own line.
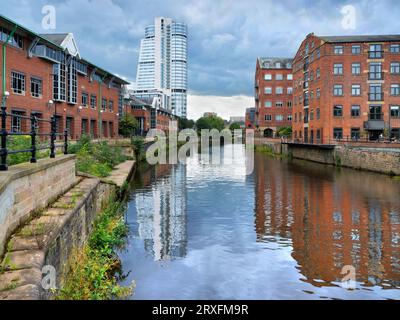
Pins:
<point x="162" y="63"/>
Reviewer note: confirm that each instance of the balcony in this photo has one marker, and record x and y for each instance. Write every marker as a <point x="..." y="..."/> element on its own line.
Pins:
<point x="375" y="54"/>
<point x="375" y="96"/>
<point x="375" y="116"/>
<point x="375" y="75"/>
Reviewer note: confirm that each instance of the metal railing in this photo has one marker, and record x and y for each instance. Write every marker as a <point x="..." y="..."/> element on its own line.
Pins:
<point x="33" y="133"/>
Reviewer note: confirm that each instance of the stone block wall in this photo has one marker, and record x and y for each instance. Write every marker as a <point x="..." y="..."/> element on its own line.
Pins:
<point x="27" y="188"/>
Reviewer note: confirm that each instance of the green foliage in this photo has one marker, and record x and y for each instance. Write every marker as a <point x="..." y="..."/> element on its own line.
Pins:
<point x="128" y="125"/>
<point x="91" y="271"/>
<point x="138" y="147"/>
<point x="184" y="123"/>
<point x="212" y="122"/>
<point x="23" y="143"/>
<point x="234" y="126"/>
<point x="97" y="159"/>
<point x="284" y="132"/>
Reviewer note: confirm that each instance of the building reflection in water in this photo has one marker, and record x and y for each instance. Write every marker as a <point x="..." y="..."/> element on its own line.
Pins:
<point x="331" y="218"/>
<point x="161" y="213"/>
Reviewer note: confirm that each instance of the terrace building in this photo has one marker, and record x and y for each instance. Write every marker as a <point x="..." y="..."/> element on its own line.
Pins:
<point x="346" y="87"/>
<point x="250" y="118"/>
<point x="46" y="75"/>
<point x="273" y="95"/>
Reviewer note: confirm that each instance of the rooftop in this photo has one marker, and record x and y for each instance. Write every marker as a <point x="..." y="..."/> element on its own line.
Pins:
<point x="275" y="63"/>
<point x="361" y="38"/>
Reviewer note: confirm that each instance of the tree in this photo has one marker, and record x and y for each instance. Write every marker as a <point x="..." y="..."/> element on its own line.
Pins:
<point x="212" y="122"/>
<point x="184" y="123"/>
<point x="234" y="126"/>
<point x="128" y="125"/>
<point x="284" y="132"/>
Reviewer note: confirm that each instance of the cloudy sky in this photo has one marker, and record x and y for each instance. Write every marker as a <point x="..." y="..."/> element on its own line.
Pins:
<point x="225" y="36"/>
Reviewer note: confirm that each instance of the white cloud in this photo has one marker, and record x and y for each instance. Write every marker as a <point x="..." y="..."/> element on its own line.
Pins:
<point x="223" y="106"/>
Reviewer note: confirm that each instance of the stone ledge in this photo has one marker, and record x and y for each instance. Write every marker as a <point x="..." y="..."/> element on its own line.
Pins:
<point x="25" y="169"/>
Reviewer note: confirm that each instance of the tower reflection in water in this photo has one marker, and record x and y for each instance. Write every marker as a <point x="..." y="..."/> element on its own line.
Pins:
<point x="161" y="213"/>
<point x="331" y="219"/>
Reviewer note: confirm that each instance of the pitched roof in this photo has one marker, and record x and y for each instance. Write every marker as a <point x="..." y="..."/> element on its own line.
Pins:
<point x="56" y="38"/>
<point x="270" y="63"/>
<point x="366" y="38"/>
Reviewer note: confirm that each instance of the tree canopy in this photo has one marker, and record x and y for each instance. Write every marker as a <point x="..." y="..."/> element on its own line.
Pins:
<point x="211" y="122"/>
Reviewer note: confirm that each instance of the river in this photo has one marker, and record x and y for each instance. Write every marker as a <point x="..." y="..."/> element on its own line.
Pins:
<point x="285" y="231"/>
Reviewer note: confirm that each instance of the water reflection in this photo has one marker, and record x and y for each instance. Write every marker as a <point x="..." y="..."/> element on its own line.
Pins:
<point x="201" y="231"/>
<point x="161" y="212"/>
<point x="333" y="218"/>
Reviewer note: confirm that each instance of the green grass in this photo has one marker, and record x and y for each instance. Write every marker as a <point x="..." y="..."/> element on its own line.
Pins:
<point x="91" y="270"/>
<point x="97" y="159"/>
<point x="23" y="143"/>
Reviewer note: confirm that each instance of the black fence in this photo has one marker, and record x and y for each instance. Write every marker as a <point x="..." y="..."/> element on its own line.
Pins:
<point x="34" y="134"/>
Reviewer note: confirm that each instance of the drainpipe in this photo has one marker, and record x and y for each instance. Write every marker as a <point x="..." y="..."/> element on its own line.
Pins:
<point x="99" y="105"/>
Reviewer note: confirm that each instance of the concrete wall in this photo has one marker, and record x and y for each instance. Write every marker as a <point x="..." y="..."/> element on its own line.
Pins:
<point x="27" y="187"/>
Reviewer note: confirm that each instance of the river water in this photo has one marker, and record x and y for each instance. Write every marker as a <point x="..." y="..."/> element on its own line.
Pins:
<point x="285" y="231"/>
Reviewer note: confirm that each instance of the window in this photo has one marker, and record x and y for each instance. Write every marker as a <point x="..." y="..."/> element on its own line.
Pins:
<point x="279" y="104"/>
<point x="278" y="65"/>
<point x="72" y="94"/>
<point x="289" y="117"/>
<point x="36" y="87"/>
<point x="395" y="48"/>
<point x="375" y="71"/>
<point x="318" y="73"/>
<point x="338" y="90"/>
<point x="279" y="90"/>
<point x="268" y="117"/>
<point x="59" y="80"/>
<point x="15" y="41"/>
<point x="356" y="49"/>
<point x="279" y="117"/>
<point x="16" y="121"/>
<point x="356" y="90"/>
<point x="337" y="133"/>
<point x="312" y="115"/>
<point x="375" y="92"/>
<point x="289" y="90"/>
<point x="338" y="49"/>
<point x="268" y="104"/>
<point x="375" y="51"/>
<point x="318" y="53"/>
<point x="355" y="133"/>
<point x="84" y="99"/>
<point x="355" y="111"/>
<point x="395" y="89"/>
<point x="395" y="111"/>
<point x="111" y="105"/>
<point x="18" y="82"/>
<point x="288" y="66"/>
<point x="356" y="68"/>
<point x="279" y="76"/>
<point x="289" y="104"/>
<point x="268" y="90"/>
<point x="93" y="101"/>
<point x="268" y="77"/>
<point x="289" y="77"/>
<point x="338" y="111"/>
<point x="375" y="112"/>
<point x="395" y="68"/>
<point x="318" y="93"/>
<point x="318" y="113"/>
<point x="338" y="69"/>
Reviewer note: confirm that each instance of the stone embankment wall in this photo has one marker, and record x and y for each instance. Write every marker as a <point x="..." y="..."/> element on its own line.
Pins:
<point x="44" y="243"/>
<point x="26" y="188"/>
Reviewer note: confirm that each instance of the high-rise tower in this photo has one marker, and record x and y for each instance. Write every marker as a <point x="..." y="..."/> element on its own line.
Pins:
<point x="162" y="64"/>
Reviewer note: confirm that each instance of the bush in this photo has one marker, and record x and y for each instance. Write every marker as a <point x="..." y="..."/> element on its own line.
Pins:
<point x="128" y="125"/>
<point x="138" y="147"/>
<point x="23" y="143"/>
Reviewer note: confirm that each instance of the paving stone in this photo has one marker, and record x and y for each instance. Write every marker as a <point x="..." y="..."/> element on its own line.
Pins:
<point x="13" y="279"/>
<point x="28" y="292"/>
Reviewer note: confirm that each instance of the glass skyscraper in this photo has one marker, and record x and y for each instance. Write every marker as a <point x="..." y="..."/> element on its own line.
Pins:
<point x="162" y="63"/>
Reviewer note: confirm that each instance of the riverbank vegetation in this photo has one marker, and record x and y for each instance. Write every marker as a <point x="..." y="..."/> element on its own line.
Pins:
<point x="96" y="158"/>
<point x="92" y="271"/>
<point x="23" y="143"/>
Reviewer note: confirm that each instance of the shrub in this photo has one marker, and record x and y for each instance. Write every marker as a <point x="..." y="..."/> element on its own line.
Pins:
<point x="23" y="143"/>
<point x="138" y="147"/>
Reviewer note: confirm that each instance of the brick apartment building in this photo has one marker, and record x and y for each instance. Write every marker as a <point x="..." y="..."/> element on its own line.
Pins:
<point x="273" y="95"/>
<point x="148" y="115"/>
<point x="346" y="88"/>
<point x="45" y="75"/>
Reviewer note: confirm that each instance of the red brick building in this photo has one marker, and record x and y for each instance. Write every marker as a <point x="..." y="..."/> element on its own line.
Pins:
<point x="346" y="88"/>
<point x="45" y="75"/>
<point x="148" y="115"/>
<point x="273" y="95"/>
<point x="250" y="118"/>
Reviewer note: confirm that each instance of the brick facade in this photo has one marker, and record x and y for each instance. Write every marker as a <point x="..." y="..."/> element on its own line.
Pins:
<point x="94" y="81"/>
<point x="273" y="95"/>
<point x="333" y="79"/>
